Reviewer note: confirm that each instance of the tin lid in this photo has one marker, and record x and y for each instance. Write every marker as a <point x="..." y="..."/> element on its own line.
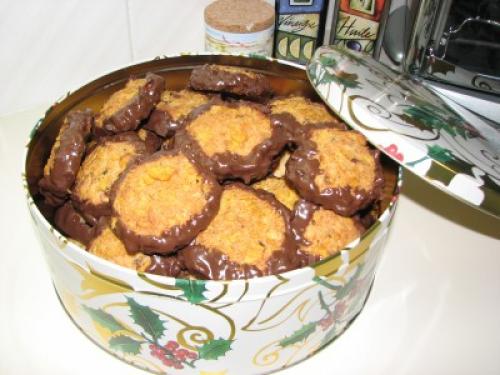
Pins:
<point x="411" y="125"/>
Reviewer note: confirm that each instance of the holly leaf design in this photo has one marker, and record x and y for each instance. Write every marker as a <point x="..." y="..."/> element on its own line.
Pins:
<point x="299" y="335"/>
<point x="439" y="153"/>
<point x="104" y="319"/>
<point x="322" y="303"/>
<point x="193" y="289"/>
<point x="125" y="344"/>
<point x="346" y="289"/>
<point x="146" y="318"/>
<point x="325" y="283"/>
<point x="214" y="349"/>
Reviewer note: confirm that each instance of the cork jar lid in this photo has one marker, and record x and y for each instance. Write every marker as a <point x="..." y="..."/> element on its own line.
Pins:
<point x="239" y="16"/>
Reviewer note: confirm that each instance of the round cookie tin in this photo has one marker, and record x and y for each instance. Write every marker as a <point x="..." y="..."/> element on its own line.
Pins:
<point x="180" y="326"/>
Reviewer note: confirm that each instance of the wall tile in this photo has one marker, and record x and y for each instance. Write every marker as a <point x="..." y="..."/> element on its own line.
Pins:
<point x="49" y="47"/>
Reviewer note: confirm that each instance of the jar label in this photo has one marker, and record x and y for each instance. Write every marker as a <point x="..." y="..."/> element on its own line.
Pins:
<point x="260" y="42"/>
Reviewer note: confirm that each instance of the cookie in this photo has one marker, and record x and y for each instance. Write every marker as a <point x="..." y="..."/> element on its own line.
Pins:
<point x="72" y="224"/>
<point x="108" y="246"/>
<point x="163" y="202"/>
<point x="279" y="188"/>
<point x="249" y="237"/>
<point x="230" y="80"/>
<point x="172" y="110"/>
<point x="297" y="114"/>
<point x="320" y="233"/>
<point x="126" y="108"/>
<point x="233" y="140"/>
<point x="336" y="169"/>
<point x="99" y="171"/>
<point x="65" y="157"/>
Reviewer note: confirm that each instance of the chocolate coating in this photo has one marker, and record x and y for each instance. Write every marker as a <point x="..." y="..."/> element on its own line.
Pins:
<point x="91" y="211"/>
<point x="213" y="264"/>
<point x="302" y="216"/>
<point x="129" y="117"/>
<point x="66" y="157"/>
<point x="72" y="224"/>
<point x="230" y="80"/>
<point x="248" y="168"/>
<point x="170" y="266"/>
<point x="302" y="169"/>
<point x="177" y="236"/>
<point x="162" y="123"/>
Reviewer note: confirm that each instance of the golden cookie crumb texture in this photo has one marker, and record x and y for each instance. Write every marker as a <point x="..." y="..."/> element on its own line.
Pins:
<point x="344" y="159"/>
<point x="279" y="188"/>
<point x="160" y="194"/>
<point x="101" y="169"/>
<point x="247" y="228"/>
<point x="303" y="110"/>
<point x="235" y="130"/>
<point x="178" y="104"/>
<point x="108" y="246"/>
<point x="119" y="100"/>
<point x="327" y="233"/>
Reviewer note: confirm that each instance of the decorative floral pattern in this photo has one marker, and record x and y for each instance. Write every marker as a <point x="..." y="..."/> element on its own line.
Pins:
<point x="410" y="123"/>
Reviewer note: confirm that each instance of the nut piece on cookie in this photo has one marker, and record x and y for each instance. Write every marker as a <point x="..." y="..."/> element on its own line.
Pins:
<point x="249" y="237"/>
<point x="279" y="188"/>
<point x="108" y="246"/>
<point x="163" y="202"/>
<point x="65" y="157"/>
<point x="280" y="169"/>
<point x="99" y="171"/>
<point x="320" y="233"/>
<point x="297" y="113"/>
<point x="230" y="80"/>
<point x="71" y="223"/>
<point x="336" y="169"/>
<point x="172" y="110"/>
<point x="233" y="140"/>
<point x="126" y="108"/>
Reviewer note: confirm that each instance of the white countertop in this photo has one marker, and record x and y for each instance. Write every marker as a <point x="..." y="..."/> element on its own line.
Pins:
<point x="434" y="307"/>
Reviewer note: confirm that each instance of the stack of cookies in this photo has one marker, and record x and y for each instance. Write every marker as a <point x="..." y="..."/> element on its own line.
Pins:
<point x="221" y="180"/>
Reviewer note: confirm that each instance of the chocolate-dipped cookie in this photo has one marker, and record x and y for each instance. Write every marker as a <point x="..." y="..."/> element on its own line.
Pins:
<point x="336" y="169"/>
<point x="233" y="140"/>
<point x="297" y="114"/>
<point x="163" y="202"/>
<point x="126" y="108"/>
<point x="320" y="233"/>
<point x="231" y="80"/>
<point x="108" y="246"/>
<point x="65" y="157"/>
<point x="99" y="171"/>
<point x="172" y="110"/>
<point x="249" y="237"/>
<point x="72" y="224"/>
<point x="280" y="189"/>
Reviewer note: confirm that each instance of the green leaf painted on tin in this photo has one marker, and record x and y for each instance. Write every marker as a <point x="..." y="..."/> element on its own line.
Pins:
<point x="325" y="283"/>
<point x="299" y="335"/>
<point x="323" y="304"/>
<point x="104" y="319"/>
<point x="193" y="289"/>
<point x="439" y="153"/>
<point x="125" y="344"/>
<point x="146" y="318"/>
<point x="214" y="349"/>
